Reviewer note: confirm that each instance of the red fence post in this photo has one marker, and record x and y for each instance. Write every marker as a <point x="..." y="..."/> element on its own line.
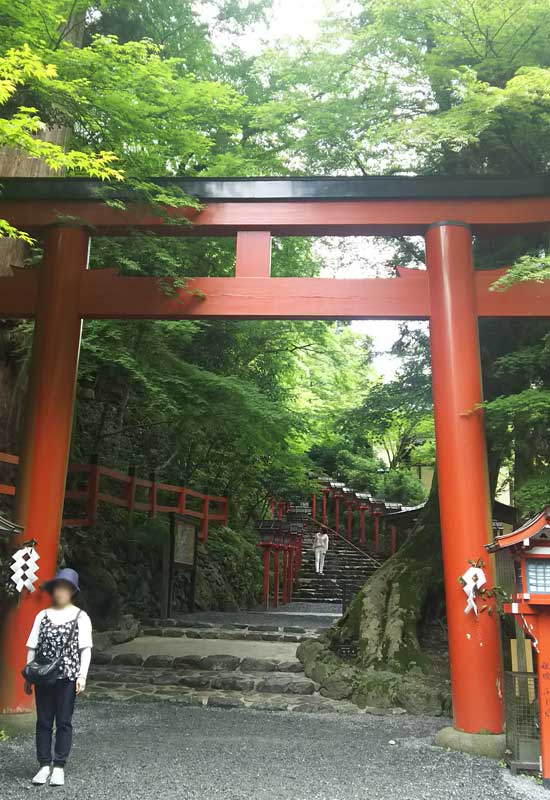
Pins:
<point x="314" y="505"/>
<point x="349" y="520"/>
<point x="393" y="531"/>
<point x="291" y="572"/>
<point x="284" y="566"/>
<point x="337" y="513"/>
<point x="276" y="576"/>
<point x="267" y="559"/>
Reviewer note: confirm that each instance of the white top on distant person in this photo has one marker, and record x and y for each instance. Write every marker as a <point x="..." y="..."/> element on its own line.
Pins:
<point x="320" y="546"/>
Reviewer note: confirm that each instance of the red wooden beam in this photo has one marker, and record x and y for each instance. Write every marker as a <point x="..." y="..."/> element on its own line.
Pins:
<point x="106" y="295"/>
<point x="290" y="218"/>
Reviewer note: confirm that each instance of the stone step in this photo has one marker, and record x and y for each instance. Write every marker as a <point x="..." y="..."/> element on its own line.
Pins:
<point x="275" y="682"/>
<point x="244" y="634"/>
<point x="335" y="576"/>
<point x="310" y="596"/>
<point x="340" y="569"/>
<point x="104" y="659"/>
<point x="152" y="622"/>
<point x="106" y="691"/>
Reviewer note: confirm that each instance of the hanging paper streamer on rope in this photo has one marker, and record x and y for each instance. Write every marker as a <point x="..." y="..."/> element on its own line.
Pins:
<point x="474" y="578"/>
<point x="25" y="568"/>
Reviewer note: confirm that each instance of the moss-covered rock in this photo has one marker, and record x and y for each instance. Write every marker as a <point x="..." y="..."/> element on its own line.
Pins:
<point x="414" y="691"/>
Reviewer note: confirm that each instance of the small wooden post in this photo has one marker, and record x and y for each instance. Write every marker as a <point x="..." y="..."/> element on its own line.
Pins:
<point x="167" y="577"/>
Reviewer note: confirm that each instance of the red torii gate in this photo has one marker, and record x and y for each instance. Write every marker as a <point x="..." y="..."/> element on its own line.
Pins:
<point x="65" y="213"/>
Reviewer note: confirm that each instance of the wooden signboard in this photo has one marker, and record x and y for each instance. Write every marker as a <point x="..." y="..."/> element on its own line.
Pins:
<point x="181" y="554"/>
<point x="184" y="534"/>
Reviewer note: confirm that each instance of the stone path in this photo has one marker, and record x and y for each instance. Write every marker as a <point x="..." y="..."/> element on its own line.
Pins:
<point x="304" y="614"/>
<point x="165" y="645"/>
<point x="171" y="752"/>
<point x="244" y="660"/>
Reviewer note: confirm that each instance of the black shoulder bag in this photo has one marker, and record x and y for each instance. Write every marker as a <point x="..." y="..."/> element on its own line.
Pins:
<point x="45" y="672"/>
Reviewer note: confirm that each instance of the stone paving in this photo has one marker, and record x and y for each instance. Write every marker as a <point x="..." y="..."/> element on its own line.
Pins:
<point x="235" y="692"/>
<point x="212" y="659"/>
<point x="149" y="646"/>
<point x="173" y="752"/>
<point x="249" y="633"/>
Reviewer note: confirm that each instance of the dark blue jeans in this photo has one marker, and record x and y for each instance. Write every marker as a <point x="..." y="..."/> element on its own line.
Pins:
<point x="54" y="703"/>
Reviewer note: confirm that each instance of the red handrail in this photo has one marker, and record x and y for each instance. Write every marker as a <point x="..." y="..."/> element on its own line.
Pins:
<point x="94" y="493"/>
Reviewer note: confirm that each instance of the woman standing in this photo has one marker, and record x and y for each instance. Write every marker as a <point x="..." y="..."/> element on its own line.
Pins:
<point x="61" y="630"/>
<point x="320" y="546"/>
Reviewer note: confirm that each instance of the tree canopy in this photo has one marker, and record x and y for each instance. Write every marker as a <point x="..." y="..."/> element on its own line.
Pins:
<point x="154" y="87"/>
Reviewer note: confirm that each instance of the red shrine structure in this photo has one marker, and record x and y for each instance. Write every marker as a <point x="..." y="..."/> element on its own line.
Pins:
<point x="67" y="213"/>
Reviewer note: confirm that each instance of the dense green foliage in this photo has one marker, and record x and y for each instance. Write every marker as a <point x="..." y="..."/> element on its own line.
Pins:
<point x="147" y="87"/>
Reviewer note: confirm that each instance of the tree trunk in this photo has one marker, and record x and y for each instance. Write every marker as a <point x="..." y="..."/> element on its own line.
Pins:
<point x="385" y="615"/>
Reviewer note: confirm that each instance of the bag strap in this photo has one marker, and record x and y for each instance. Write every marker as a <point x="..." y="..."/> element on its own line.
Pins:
<point x="71" y="632"/>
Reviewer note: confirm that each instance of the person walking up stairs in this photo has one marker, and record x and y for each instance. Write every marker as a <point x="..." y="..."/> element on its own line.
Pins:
<point x="320" y="547"/>
<point x="346" y="566"/>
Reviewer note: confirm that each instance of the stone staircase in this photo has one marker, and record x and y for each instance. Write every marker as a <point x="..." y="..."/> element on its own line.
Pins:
<point x="217" y="680"/>
<point x="346" y="569"/>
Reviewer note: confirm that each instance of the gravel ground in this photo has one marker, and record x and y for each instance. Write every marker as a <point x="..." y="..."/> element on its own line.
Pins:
<point x="148" y="752"/>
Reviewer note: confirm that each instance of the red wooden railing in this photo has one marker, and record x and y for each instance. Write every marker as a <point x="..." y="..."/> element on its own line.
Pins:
<point x="99" y="484"/>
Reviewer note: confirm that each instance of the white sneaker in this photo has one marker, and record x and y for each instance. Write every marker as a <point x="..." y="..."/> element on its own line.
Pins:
<point x="58" y="777"/>
<point x="42" y="776"/>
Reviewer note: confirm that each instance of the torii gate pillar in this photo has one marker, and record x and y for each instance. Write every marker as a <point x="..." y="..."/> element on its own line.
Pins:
<point x="48" y="424"/>
<point x="464" y="498"/>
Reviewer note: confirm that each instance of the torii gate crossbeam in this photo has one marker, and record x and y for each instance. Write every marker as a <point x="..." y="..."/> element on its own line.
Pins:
<point x="66" y="213"/>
